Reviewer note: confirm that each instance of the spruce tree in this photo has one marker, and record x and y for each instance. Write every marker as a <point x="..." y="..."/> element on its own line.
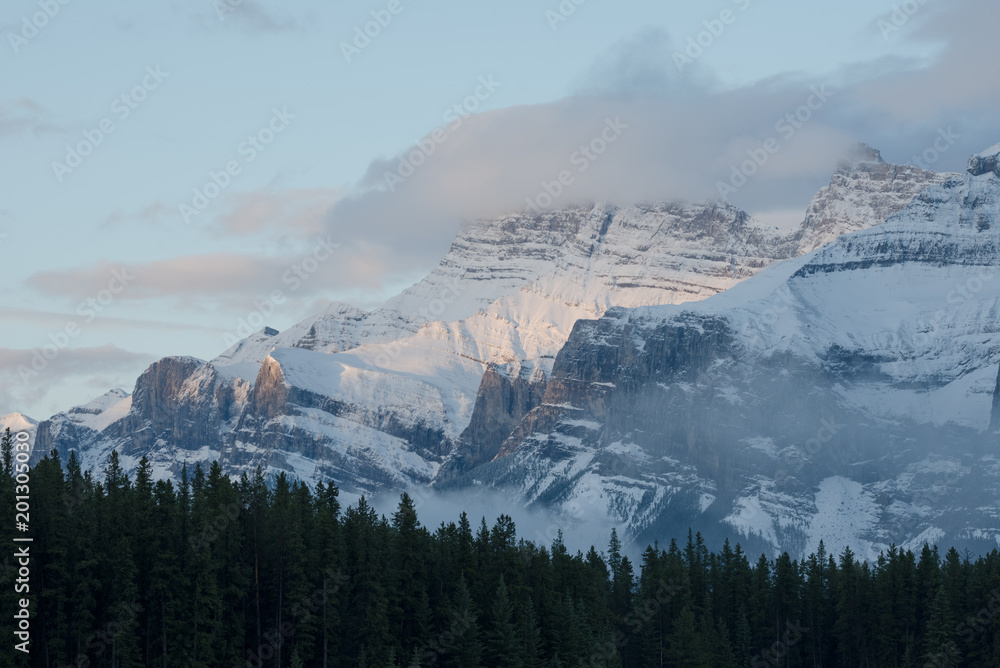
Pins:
<point x="502" y="649"/>
<point x="531" y="638"/>
<point x="466" y="652"/>
<point x="7" y="453"/>
<point x="51" y="559"/>
<point x="940" y="649"/>
<point x="124" y="610"/>
<point x="409" y="572"/>
<point x="686" y="646"/>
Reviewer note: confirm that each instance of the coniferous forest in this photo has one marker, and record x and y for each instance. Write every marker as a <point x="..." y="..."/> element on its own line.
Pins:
<point x="211" y="572"/>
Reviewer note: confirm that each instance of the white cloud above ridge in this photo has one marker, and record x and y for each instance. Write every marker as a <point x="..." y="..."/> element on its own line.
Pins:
<point x="684" y="135"/>
<point x="28" y="378"/>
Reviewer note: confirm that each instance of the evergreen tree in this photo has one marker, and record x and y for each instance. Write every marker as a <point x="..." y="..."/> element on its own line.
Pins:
<point x="368" y="597"/>
<point x="51" y="554"/>
<point x="7" y="453"/>
<point x="531" y="638"/>
<point x="464" y="627"/>
<point x="940" y="649"/>
<point x="124" y="610"/>
<point x="502" y="648"/>
<point x="742" y="640"/>
<point x="409" y="576"/>
<point x="329" y="552"/>
<point x="686" y="646"/>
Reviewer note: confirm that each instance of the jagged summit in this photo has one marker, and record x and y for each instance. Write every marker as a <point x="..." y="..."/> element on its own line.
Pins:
<point x="101" y="403"/>
<point x="860" y="153"/>
<point x="986" y="162"/>
<point x="17" y="422"/>
<point x="862" y="190"/>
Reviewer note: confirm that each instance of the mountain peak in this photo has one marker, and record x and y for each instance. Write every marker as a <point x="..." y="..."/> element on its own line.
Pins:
<point x="860" y="153"/>
<point x="864" y="191"/>
<point x="986" y="162"/>
<point x="101" y="403"/>
<point x="17" y="422"/>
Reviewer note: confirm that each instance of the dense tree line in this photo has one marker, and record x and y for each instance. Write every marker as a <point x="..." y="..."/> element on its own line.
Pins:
<point x="213" y="572"/>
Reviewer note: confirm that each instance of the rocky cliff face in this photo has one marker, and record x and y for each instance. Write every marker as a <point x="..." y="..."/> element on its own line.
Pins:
<point x="78" y="428"/>
<point x="985" y="162"/>
<point x="503" y="399"/>
<point x="179" y="412"/>
<point x="863" y="190"/>
<point x="995" y="419"/>
<point x="846" y="396"/>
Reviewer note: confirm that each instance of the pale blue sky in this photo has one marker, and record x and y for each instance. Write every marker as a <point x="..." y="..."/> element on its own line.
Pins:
<point x="120" y="206"/>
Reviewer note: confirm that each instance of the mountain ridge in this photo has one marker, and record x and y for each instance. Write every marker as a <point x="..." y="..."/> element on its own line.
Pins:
<point x="394" y="398"/>
<point x="863" y="375"/>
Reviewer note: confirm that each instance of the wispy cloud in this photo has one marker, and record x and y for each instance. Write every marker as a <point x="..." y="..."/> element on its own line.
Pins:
<point x="959" y="81"/>
<point x="251" y="16"/>
<point x="319" y="265"/>
<point x="25" y="115"/>
<point x="686" y="133"/>
<point x="248" y="16"/>
<point x="292" y="211"/>
<point x="271" y="212"/>
<point x="94" y="366"/>
<point x="152" y="214"/>
<point x="57" y="320"/>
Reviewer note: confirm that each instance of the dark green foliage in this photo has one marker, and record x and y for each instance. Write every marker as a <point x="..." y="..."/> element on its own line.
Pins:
<point x="269" y="573"/>
<point x="501" y="635"/>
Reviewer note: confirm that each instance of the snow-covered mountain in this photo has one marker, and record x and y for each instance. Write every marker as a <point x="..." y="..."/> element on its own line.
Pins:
<point x="76" y="428"/>
<point x="428" y="388"/>
<point x="17" y="422"/>
<point x="850" y="395"/>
